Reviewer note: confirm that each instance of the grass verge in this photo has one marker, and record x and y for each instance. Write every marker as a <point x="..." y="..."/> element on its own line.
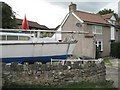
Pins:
<point x="107" y="61"/>
<point x="70" y="85"/>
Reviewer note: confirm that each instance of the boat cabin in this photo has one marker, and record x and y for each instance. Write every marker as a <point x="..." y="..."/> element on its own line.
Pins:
<point x="4" y="36"/>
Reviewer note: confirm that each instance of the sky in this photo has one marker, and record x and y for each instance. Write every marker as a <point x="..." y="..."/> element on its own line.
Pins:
<point x="52" y="12"/>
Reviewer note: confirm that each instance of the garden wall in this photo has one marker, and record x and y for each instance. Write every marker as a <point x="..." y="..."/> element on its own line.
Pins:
<point x="55" y="73"/>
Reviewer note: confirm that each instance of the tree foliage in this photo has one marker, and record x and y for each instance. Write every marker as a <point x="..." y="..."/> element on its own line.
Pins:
<point x="105" y="11"/>
<point x="115" y="49"/>
<point x="8" y="16"/>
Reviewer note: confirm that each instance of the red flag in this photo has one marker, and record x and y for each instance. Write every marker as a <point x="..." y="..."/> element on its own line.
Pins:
<point x="25" y="23"/>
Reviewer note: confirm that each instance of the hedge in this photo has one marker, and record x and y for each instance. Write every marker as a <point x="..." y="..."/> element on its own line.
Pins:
<point x="115" y="49"/>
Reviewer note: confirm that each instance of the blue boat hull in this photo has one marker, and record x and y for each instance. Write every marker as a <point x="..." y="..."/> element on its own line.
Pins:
<point x="42" y="59"/>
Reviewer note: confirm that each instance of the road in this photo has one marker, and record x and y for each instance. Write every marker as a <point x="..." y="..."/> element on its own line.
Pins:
<point x="112" y="72"/>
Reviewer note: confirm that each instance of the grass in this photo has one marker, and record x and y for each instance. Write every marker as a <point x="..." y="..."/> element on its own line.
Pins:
<point x="88" y="85"/>
<point x="70" y="85"/>
<point x="107" y="61"/>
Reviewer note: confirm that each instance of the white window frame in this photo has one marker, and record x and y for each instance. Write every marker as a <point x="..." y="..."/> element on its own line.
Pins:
<point x="95" y="29"/>
<point x="97" y="43"/>
<point x="112" y="33"/>
<point x="1" y="37"/>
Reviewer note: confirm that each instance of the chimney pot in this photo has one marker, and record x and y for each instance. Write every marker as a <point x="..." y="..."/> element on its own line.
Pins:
<point x="72" y="7"/>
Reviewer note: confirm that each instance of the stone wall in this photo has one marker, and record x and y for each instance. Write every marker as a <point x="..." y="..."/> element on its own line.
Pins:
<point x="55" y="73"/>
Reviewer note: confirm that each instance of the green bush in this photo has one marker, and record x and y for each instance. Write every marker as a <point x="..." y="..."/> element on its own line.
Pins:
<point x="115" y="49"/>
<point x="69" y="85"/>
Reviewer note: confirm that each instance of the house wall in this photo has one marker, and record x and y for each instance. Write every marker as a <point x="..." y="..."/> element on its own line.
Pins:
<point x="118" y="35"/>
<point x="84" y="46"/>
<point x="106" y="41"/>
<point x="105" y="37"/>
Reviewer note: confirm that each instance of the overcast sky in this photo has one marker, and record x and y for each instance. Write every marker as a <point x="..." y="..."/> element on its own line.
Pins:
<point x="52" y="12"/>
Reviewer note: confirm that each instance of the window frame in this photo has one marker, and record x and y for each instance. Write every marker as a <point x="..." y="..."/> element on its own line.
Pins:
<point x="98" y="44"/>
<point x="3" y="37"/>
<point x="23" y="38"/>
<point x="95" y="29"/>
<point x="11" y="38"/>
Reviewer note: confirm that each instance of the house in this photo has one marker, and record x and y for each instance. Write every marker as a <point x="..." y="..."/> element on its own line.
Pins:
<point x="32" y="25"/>
<point x="35" y="26"/>
<point x="115" y="27"/>
<point x="99" y="32"/>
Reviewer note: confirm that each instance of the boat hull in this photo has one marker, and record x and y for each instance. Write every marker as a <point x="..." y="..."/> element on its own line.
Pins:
<point x="42" y="59"/>
<point x="32" y="52"/>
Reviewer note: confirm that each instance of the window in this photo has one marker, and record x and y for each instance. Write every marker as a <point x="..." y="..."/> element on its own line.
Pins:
<point x="78" y="25"/>
<point x="100" y="45"/>
<point x="97" y="29"/>
<point x="24" y="38"/>
<point x="12" y="37"/>
<point x="2" y="37"/>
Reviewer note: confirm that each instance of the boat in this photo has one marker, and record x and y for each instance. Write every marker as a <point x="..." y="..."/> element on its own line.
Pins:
<point x="29" y="46"/>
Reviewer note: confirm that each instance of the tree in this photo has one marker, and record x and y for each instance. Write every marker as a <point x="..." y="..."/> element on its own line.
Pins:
<point x="105" y="11"/>
<point x="8" y="16"/>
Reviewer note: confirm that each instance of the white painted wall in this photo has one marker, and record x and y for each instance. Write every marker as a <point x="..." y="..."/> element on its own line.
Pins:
<point x="112" y="21"/>
<point x="58" y="36"/>
<point x="112" y="33"/>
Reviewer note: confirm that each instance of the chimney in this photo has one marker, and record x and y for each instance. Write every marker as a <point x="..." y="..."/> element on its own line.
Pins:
<point x="72" y="7"/>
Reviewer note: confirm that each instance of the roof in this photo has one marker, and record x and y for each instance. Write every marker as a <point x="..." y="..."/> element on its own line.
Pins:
<point x="107" y="16"/>
<point x="117" y="25"/>
<point x="91" y="17"/>
<point x="32" y="24"/>
<point x="54" y="28"/>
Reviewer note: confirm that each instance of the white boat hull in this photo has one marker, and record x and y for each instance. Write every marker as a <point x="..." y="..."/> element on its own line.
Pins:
<point x="31" y="52"/>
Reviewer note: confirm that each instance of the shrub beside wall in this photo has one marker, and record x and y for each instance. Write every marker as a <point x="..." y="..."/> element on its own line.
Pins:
<point x="115" y="49"/>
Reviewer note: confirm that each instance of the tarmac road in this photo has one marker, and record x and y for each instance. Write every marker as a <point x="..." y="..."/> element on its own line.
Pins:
<point x="112" y="72"/>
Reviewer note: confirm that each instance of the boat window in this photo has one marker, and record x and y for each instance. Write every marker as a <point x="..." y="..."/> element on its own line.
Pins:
<point x="12" y="37"/>
<point x="2" y="37"/>
<point x="24" y="38"/>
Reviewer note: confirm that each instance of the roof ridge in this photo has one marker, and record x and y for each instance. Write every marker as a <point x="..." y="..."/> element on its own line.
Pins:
<point x="90" y="13"/>
<point x="27" y="20"/>
<point x="107" y="14"/>
<point x="86" y="12"/>
<point x="92" y="17"/>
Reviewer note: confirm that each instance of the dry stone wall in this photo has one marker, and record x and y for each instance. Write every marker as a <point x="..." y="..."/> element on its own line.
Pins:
<point x="54" y="74"/>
